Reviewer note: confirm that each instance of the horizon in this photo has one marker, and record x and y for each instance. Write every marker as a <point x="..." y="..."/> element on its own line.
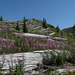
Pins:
<point x="56" y="12"/>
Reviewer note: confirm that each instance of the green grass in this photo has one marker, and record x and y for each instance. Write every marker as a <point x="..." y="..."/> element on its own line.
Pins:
<point x="70" y="73"/>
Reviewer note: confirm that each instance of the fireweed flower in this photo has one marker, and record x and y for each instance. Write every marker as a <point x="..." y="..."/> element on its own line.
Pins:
<point x="6" y="37"/>
<point x="12" y="44"/>
<point x="63" y="47"/>
<point x="21" y="45"/>
<point x="47" y="45"/>
<point x="28" y="44"/>
<point x="50" y="45"/>
<point x="70" y="47"/>
<point x="3" y="55"/>
<point x="24" y="44"/>
<point x="19" y="49"/>
<point x="8" y="46"/>
<point x="2" y="41"/>
<point x="34" y="48"/>
<point x="11" y="57"/>
<point x="0" y="48"/>
<point x="44" y="47"/>
<point x="41" y="45"/>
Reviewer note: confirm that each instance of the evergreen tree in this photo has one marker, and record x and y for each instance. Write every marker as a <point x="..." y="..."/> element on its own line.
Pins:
<point x="17" y="27"/>
<point x="44" y="23"/>
<point x="62" y="33"/>
<point x="24" y="26"/>
<point x="1" y="19"/>
<point x="74" y="30"/>
<point x="57" y="29"/>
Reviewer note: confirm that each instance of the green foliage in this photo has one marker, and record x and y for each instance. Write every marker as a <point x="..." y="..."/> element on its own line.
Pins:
<point x="44" y="23"/>
<point x="57" y="29"/>
<point x="71" y="73"/>
<point x="1" y="18"/>
<point x="17" y="27"/>
<point x="62" y="33"/>
<point x="33" y="19"/>
<point x="18" y="70"/>
<point x="49" y="59"/>
<point x="52" y="72"/>
<point x="72" y="57"/>
<point x="50" y="26"/>
<point x="74" y="30"/>
<point x="55" y="58"/>
<point x="24" y="26"/>
<point x="68" y="30"/>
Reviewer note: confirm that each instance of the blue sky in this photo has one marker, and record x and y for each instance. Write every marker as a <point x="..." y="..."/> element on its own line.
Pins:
<point x="56" y="12"/>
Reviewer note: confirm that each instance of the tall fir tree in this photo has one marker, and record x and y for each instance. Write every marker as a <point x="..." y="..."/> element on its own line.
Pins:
<point x="57" y="29"/>
<point x="74" y="30"/>
<point x="24" y="26"/>
<point x="17" y="27"/>
<point x="1" y="19"/>
<point x="44" y="23"/>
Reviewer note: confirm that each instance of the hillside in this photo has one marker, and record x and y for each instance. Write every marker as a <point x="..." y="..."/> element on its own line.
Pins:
<point x="33" y="26"/>
<point x="68" y="30"/>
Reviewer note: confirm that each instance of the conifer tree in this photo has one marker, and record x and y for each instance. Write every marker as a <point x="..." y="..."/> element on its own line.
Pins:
<point x="24" y="26"/>
<point x="44" y="23"/>
<point x="74" y="30"/>
<point x="57" y="29"/>
<point x="17" y="27"/>
<point x="1" y="19"/>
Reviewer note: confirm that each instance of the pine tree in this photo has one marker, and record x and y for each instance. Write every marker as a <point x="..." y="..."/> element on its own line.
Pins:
<point x="24" y="26"/>
<point x="1" y="19"/>
<point x="74" y="30"/>
<point x="17" y="27"/>
<point x="62" y="33"/>
<point x="44" y="23"/>
<point x="57" y="29"/>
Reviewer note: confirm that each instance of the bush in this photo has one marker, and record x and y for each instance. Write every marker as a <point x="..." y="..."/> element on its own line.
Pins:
<point x="55" y="58"/>
<point x="49" y="59"/>
<point x="50" y="26"/>
<point x="72" y="57"/>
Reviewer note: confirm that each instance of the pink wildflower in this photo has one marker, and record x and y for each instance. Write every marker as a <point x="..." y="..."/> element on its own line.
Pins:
<point x="19" y="49"/>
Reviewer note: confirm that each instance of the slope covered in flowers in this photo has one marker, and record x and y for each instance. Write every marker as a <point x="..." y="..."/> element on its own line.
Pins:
<point x="26" y="44"/>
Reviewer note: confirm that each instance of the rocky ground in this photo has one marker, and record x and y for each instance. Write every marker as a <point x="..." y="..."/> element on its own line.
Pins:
<point x="33" y="63"/>
<point x="33" y="26"/>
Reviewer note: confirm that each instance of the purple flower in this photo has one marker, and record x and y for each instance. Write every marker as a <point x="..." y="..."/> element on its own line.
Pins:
<point x="33" y="47"/>
<point x="3" y="55"/>
<point x="44" y="47"/>
<point x="8" y="46"/>
<point x="19" y="49"/>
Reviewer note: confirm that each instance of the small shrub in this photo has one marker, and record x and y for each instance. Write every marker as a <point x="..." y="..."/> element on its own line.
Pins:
<point x="72" y="57"/>
<point x="55" y="58"/>
<point x="19" y="69"/>
<point x="49" y="59"/>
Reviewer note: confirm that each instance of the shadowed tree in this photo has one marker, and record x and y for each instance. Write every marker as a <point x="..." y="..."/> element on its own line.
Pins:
<point x="44" y="23"/>
<point x="17" y="27"/>
<point x="74" y="30"/>
<point x="62" y="33"/>
<point x="1" y="19"/>
<point x="24" y="26"/>
<point x="57" y="29"/>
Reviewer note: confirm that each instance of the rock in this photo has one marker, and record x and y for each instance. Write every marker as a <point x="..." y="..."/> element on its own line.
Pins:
<point x="34" y="72"/>
<point x="71" y="70"/>
<point x="30" y="67"/>
<point x="5" y="72"/>
<point x="62" y="71"/>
